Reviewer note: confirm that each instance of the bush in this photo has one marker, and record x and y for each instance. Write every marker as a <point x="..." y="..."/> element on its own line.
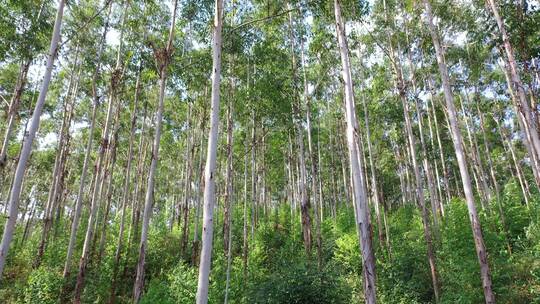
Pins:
<point x="300" y="284"/>
<point x="44" y="285"/>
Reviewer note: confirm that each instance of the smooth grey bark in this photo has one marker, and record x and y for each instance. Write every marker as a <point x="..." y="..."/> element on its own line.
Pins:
<point x="210" y="168"/>
<point x="109" y="192"/>
<point x="29" y="140"/>
<point x="139" y="181"/>
<point x="359" y="191"/>
<point x="462" y="162"/>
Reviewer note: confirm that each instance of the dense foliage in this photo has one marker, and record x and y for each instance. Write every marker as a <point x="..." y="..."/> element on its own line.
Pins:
<point x="114" y="202"/>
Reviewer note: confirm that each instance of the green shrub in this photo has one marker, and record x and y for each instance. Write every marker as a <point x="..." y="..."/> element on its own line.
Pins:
<point x="44" y="286"/>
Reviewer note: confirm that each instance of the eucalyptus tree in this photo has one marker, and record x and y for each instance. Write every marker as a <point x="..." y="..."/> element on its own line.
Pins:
<point x="162" y="57"/>
<point x="525" y="110"/>
<point x="401" y="91"/>
<point x="298" y="131"/>
<point x="360" y="199"/>
<point x="210" y="167"/>
<point x="21" y="22"/>
<point x="29" y="139"/>
<point x="460" y="155"/>
<point x="104" y="160"/>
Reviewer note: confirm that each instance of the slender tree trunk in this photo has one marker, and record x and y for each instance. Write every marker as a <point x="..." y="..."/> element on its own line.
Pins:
<point x="462" y="162"/>
<point x="62" y="150"/>
<point x="87" y="155"/>
<point x="125" y="191"/>
<point x="484" y="190"/>
<point x="525" y="129"/>
<point x="245" y="216"/>
<point x="362" y="216"/>
<point x="109" y="191"/>
<point x="304" y="200"/>
<point x="381" y="230"/>
<point x="519" y="172"/>
<point x="200" y="189"/>
<point x="141" y="160"/>
<point x="163" y="57"/>
<point x="209" y="174"/>
<point x="253" y="174"/>
<point x="313" y="160"/>
<point x="196" y="230"/>
<point x="516" y="80"/>
<point x="229" y="248"/>
<point x="229" y="172"/>
<point x="102" y="162"/>
<point x="492" y="175"/>
<point x="400" y="88"/>
<point x="101" y="165"/>
<point x="446" y="178"/>
<point x="187" y="181"/>
<point x="29" y="139"/>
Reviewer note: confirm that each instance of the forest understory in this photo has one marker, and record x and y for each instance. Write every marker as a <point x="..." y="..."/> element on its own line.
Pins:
<point x="270" y="151"/>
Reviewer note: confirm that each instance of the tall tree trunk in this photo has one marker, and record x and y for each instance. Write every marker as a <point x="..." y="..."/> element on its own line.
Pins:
<point x="245" y="214"/>
<point x="29" y="140"/>
<point x="381" y="230"/>
<point x="253" y="173"/>
<point x="163" y="57"/>
<point x="100" y="173"/>
<point x="485" y="192"/>
<point x="229" y="170"/>
<point x="141" y="160"/>
<point x="190" y="154"/>
<point x="360" y="200"/>
<point x="125" y="191"/>
<point x="312" y="158"/>
<point x="401" y="90"/>
<point x="60" y="159"/>
<point x="87" y="155"/>
<point x="209" y="172"/>
<point x="521" y="178"/>
<point x="462" y="162"/>
<point x="200" y="189"/>
<point x="525" y="129"/>
<point x="109" y="191"/>
<point x="304" y="200"/>
<point x="101" y="165"/>
<point x="446" y="177"/>
<point x="516" y="80"/>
